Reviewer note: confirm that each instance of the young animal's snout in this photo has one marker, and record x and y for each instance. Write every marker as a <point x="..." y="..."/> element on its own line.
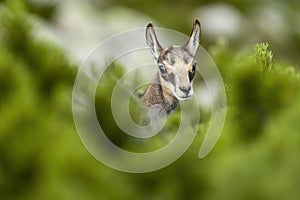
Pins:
<point x="185" y="89"/>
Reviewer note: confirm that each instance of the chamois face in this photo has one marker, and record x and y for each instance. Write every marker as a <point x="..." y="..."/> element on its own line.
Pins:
<point x="177" y="69"/>
<point x="176" y="64"/>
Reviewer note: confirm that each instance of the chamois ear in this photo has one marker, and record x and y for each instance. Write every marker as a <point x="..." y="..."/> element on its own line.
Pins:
<point x="193" y="42"/>
<point x="152" y="41"/>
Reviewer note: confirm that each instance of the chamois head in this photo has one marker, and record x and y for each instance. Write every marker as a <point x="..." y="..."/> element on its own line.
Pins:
<point x="176" y="64"/>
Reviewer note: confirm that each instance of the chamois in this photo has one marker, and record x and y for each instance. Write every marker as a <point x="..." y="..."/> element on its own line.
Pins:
<point x="173" y="81"/>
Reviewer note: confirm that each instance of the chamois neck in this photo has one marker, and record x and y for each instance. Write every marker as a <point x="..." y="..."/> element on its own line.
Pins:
<point x="157" y="94"/>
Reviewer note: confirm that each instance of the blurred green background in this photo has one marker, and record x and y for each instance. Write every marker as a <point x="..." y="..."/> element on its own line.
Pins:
<point x="42" y="43"/>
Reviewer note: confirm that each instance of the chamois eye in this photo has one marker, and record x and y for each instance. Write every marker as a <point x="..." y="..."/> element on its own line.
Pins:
<point x="162" y="69"/>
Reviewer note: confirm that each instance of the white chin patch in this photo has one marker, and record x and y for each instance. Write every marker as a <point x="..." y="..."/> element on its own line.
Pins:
<point x="184" y="98"/>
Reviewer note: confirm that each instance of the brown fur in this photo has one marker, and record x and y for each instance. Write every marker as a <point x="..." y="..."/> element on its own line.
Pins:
<point x="156" y="94"/>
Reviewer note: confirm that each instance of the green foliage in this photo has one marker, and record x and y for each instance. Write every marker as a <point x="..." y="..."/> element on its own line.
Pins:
<point x="257" y="88"/>
<point x="264" y="57"/>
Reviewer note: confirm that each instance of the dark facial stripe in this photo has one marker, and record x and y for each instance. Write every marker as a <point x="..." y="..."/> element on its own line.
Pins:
<point x="172" y="78"/>
<point x="165" y="77"/>
<point x="169" y="78"/>
<point x="191" y="76"/>
<point x="192" y="71"/>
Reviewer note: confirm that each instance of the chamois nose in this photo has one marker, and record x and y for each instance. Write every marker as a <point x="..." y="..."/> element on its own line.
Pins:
<point x="185" y="89"/>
